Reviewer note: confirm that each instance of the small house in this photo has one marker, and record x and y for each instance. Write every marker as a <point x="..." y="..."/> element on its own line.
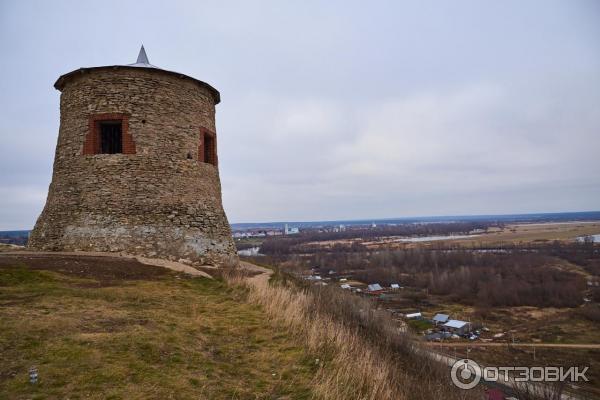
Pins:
<point x="457" y="327"/>
<point x="440" y="319"/>
<point x="395" y="286"/>
<point x="374" y="287"/>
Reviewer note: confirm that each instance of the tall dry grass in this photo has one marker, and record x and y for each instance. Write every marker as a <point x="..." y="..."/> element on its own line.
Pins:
<point x="360" y="353"/>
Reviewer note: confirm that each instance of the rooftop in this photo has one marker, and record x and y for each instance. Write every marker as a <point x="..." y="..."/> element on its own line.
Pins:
<point x="441" y="317"/>
<point x="454" y="323"/>
<point x="141" y="62"/>
<point x="374" y="287"/>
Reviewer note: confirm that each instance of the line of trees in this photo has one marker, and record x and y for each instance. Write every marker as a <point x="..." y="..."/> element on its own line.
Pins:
<point x="514" y="277"/>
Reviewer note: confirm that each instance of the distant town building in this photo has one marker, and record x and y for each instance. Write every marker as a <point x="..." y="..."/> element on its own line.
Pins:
<point x="290" y="230"/>
<point x="256" y="233"/>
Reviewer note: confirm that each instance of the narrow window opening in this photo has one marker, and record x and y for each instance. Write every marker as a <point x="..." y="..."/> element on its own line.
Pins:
<point x="111" y="137"/>
<point x="209" y="149"/>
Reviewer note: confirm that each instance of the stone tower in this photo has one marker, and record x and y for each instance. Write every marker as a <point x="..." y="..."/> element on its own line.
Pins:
<point x="136" y="167"/>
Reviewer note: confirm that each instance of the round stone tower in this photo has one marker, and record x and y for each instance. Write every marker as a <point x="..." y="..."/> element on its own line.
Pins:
<point x="136" y="167"/>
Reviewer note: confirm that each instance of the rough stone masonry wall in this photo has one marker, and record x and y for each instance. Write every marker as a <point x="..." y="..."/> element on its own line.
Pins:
<point x="157" y="202"/>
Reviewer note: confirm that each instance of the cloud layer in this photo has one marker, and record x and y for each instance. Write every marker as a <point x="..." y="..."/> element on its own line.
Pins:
<point x="336" y="110"/>
<point x="477" y="149"/>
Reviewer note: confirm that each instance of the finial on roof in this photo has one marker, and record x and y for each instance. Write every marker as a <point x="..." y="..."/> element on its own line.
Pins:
<point x="142" y="57"/>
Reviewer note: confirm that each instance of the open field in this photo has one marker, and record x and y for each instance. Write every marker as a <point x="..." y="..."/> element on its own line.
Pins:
<point x="539" y="232"/>
<point x="522" y="233"/>
<point x="116" y="329"/>
<point x="517" y="234"/>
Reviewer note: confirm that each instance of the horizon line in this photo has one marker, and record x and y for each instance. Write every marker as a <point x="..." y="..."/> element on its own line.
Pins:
<point x="389" y="219"/>
<point x="417" y="217"/>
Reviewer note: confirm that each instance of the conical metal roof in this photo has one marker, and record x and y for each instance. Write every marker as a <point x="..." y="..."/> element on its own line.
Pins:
<point x="142" y="62"/>
<point x="142" y="57"/>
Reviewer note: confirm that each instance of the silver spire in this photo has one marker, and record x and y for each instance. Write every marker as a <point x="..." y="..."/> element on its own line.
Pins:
<point x="142" y="57"/>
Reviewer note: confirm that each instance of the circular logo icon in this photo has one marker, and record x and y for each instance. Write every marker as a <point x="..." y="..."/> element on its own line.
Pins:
<point x="465" y="373"/>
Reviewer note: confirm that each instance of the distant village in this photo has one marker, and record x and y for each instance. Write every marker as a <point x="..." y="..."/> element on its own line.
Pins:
<point x="436" y="327"/>
<point x="289" y="230"/>
<point x="257" y="233"/>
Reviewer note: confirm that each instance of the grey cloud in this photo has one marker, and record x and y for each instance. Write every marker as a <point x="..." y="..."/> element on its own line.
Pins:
<point x="336" y="109"/>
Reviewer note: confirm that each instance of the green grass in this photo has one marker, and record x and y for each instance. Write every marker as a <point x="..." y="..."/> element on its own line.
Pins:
<point x="174" y="337"/>
<point x="419" y="325"/>
<point x="20" y="275"/>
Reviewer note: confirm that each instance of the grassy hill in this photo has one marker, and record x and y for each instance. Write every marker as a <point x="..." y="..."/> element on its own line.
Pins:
<point x="102" y="328"/>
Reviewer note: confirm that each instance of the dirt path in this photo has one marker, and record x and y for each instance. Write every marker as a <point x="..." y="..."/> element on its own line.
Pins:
<point x="262" y="274"/>
<point x="172" y="265"/>
<point x="551" y="345"/>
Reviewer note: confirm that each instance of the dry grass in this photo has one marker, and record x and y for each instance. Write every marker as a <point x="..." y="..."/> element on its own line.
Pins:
<point x="360" y="353"/>
<point x="167" y="337"/>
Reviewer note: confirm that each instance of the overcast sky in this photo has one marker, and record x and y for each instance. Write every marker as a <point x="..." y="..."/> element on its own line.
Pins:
<point x="336" y="109"/>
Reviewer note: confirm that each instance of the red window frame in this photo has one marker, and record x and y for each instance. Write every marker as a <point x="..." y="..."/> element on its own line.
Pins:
<point x="207" y="155"/>
<point x="93" y="145"/>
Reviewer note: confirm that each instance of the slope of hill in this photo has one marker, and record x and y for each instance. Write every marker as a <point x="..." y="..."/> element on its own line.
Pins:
<point x="112" y="328"/>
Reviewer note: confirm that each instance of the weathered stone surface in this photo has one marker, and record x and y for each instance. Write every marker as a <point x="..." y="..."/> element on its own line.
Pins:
<point x="159" y="201"/>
